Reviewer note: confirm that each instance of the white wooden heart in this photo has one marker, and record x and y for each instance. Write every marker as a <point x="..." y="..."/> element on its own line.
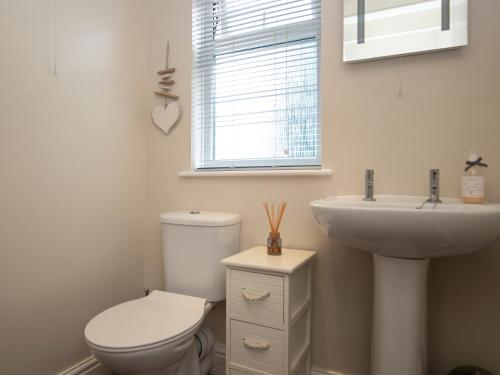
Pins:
<point x="166" y="117"/>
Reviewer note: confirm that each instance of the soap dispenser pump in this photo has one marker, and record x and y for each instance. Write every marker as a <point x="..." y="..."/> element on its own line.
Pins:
<point x="473" y="183"/>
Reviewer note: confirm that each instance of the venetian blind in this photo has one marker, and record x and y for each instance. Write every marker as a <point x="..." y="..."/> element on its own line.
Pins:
<point x="255" y="86"/>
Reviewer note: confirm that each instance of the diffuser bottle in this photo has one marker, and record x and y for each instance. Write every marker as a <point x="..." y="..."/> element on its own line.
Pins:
<point x="473" y="182"/>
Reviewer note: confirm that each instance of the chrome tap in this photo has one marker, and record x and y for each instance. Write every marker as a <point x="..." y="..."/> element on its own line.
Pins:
<point x="434" y="186"/>
<point x="369" y="185"/>
<point x="433" y="189"/>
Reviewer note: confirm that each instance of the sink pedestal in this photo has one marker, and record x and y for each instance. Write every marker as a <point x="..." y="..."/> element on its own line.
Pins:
<point x="399" y="331"/>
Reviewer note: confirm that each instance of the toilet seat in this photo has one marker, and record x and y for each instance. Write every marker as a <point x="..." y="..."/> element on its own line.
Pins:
<point x="145" y="323"/>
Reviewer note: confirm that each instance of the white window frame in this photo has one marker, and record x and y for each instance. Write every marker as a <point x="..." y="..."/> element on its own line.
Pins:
<point x="208" y="138"/>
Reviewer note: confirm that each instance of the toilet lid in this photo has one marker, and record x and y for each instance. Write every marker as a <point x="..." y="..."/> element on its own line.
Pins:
<point x="159" y="317"/>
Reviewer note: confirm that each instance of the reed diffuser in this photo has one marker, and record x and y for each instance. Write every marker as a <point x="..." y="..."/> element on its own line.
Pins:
<point x="274" y="217"/>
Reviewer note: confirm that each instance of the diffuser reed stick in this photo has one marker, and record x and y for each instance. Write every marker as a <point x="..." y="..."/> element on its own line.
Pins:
<point x="274" y="217"/>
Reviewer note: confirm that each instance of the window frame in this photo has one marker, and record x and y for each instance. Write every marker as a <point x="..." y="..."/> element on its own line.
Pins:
<point x="207" y="120"/>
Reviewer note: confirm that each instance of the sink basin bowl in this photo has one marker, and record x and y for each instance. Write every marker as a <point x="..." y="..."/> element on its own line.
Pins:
<point x="393" y="226"/>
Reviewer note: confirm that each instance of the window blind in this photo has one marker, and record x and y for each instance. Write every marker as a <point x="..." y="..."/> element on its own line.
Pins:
<point x="255" y="84"/>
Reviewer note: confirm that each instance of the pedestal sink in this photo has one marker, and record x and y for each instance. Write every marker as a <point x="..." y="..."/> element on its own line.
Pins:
<point x="402" y="240"/>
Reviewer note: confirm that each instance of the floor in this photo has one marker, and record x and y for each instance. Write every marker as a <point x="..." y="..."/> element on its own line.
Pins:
<point x="219" y="367"/>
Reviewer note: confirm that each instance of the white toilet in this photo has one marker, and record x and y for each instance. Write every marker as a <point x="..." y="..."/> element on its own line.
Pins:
<point x="155" y="335"/>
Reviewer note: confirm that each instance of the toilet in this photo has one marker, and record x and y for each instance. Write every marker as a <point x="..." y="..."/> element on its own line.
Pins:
<point x="160" y="334"/>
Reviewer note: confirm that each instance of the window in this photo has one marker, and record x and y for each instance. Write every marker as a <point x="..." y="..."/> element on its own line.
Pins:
<point x="256" y="83"/>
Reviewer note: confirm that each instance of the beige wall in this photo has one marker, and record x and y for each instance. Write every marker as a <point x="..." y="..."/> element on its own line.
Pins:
<point x="73" y="177"/>
<point x="450" y="103"/>
<point x="72" y="174"/>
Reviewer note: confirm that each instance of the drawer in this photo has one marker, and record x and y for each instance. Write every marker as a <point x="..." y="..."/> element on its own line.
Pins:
<point x="257" y="297"/>
<point x="256" y="347"/>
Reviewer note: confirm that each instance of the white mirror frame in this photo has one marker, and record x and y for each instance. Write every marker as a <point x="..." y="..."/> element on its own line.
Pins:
<point x="396" y="44"/>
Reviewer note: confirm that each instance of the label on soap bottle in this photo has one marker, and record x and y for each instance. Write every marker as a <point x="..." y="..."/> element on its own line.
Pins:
<point x="473" y="186"/>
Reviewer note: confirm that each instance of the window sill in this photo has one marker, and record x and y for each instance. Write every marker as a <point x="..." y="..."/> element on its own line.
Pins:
<point x="259" y="173"/>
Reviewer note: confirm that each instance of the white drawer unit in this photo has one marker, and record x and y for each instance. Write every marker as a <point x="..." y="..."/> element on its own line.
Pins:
<point x="268" y="320"/>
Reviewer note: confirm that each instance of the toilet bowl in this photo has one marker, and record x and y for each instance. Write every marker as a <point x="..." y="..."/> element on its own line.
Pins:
<point x="155" y="335"/>
<point x="149" y="335"/>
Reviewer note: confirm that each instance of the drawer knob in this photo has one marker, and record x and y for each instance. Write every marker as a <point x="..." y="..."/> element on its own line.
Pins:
<point x="256" y="296"/>
<point x="258" y="346"/>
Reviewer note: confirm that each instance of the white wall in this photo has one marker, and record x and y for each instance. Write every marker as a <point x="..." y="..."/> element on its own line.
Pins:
<point x="72" y="173"/>
<point x="450" y="104"/>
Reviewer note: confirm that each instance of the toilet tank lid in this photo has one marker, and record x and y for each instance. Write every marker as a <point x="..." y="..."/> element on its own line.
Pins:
<point x="200" y="218"/>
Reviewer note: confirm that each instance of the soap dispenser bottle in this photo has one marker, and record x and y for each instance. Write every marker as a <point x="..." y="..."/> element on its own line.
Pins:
<point x="473" y="184"/>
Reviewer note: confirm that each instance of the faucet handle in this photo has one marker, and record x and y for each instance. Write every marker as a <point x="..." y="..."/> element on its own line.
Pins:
<point x="369" y="185"/>
<point x="434" y="179"/>
<point x="434" y="185"/>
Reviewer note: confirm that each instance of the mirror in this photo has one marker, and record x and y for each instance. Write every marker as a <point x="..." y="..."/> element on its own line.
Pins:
<point x="376" y="29"/>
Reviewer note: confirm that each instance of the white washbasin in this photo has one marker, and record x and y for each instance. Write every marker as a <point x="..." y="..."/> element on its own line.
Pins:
<point x="402" y="239"/>
<point x="393" y="226"/>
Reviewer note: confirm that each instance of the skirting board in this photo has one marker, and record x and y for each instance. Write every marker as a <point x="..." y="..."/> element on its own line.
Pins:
<point x="88" y="366"/>
<point x="91" y="366"/>
<point x="220" y="352"/>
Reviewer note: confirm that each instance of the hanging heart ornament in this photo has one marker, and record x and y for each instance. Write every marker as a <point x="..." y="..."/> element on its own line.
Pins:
<point x="166" y="117"/>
